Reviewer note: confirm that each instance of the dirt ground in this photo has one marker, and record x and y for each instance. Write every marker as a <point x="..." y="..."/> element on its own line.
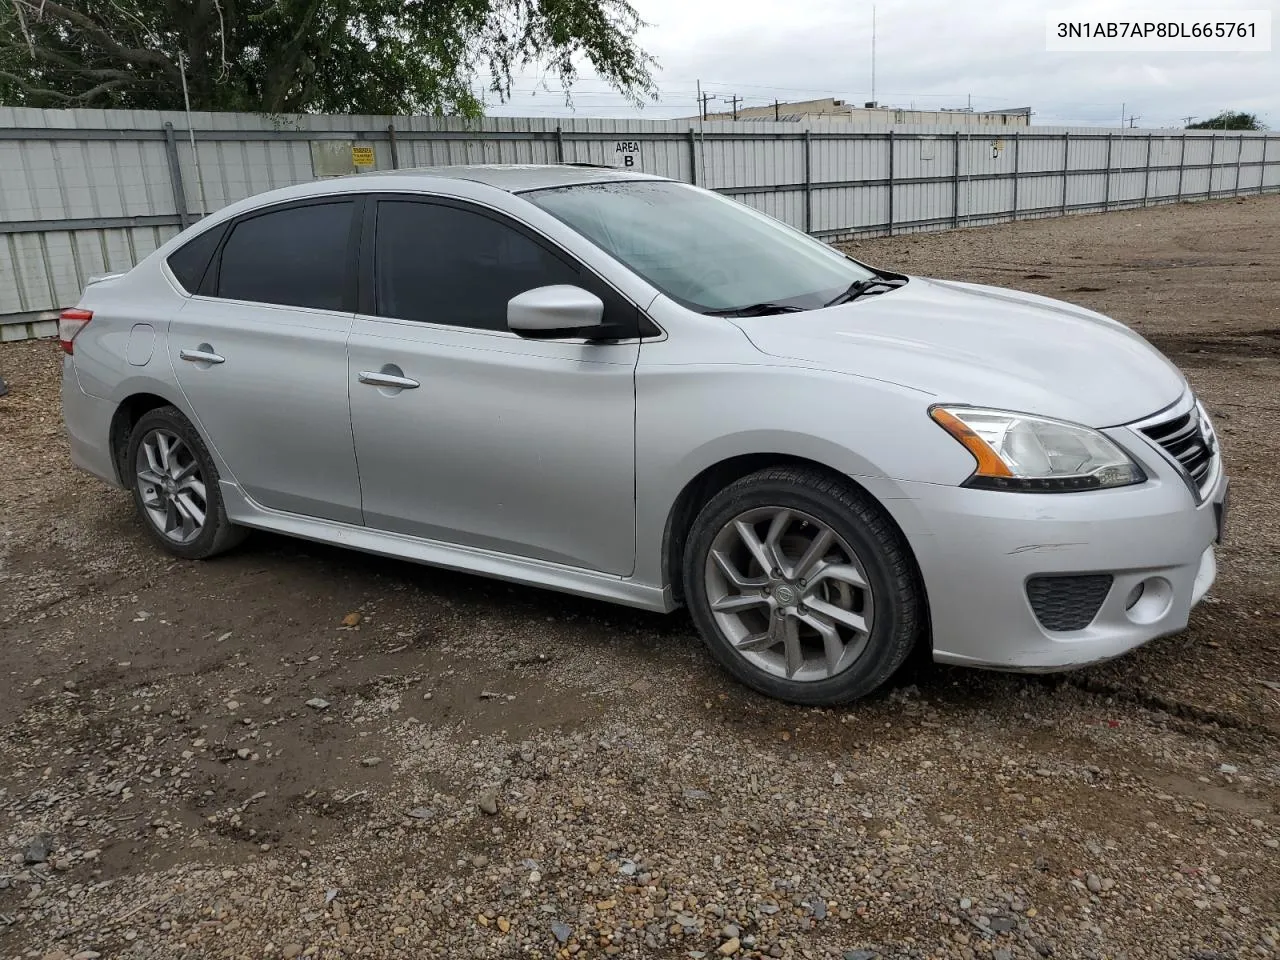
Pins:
<point x="296" y="750"/>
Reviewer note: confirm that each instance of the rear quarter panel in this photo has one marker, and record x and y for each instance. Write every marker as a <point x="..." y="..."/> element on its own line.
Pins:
<point x="123" y="350"/>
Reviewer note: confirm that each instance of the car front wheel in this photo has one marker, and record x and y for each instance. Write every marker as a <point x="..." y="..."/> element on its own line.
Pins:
<point x="801" y="586"/>
<point x="175" y="487"/>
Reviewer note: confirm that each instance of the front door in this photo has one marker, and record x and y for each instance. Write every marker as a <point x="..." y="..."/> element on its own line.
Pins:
<point x="261" y="357"/>
<point x="468" y="434"/>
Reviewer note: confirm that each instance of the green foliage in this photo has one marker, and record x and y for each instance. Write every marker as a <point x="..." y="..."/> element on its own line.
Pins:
<point x="315" y="56"/>
<point x="1229" y="120"/>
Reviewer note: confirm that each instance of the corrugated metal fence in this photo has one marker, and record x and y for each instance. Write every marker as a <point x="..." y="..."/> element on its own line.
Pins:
<point x="84" y="192"/>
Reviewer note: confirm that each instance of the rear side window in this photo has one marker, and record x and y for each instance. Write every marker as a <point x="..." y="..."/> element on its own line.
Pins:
<point x="442" y="264"/>
<point x="297" y="256"/>
<point x="190" y="260"/>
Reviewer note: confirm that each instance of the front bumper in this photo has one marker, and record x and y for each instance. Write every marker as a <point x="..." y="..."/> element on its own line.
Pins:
<point x="977" y="549"/>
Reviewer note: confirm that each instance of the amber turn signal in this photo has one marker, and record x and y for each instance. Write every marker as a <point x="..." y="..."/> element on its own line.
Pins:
<point x="989" y="464"/>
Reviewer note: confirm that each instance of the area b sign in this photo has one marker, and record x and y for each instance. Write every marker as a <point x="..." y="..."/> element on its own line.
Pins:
<point x="626" y="153"/>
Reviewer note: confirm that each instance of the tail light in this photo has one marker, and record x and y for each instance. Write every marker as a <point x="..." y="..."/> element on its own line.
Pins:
<point x="69" y="326"/>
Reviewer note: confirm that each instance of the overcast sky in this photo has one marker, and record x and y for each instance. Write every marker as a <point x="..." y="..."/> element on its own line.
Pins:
<point x="929" y="54"/>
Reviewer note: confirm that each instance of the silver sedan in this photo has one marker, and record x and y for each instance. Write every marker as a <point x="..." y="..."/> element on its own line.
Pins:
<point x="629" y="388"/>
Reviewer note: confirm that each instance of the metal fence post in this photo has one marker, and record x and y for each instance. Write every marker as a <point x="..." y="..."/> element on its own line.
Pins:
<point x="1262" y="173"/>
<point x="1182" y="164"/>
<point x="559" y="144"/>
<point x="1235" y="191"/>
<point x="395" y="147"/>
<point x="955" y="186"/>
<point x="1146" y="176"/>
<point x="808" y="181"/>
<point x="1106" y="190"/>
<point x="1016" y="141"/>
<point x="1066" y="169"/>
<point x="693" y="157"/>
<point x="891" y="183"/>
<point x="1213" y="158"/>
<point x="175" y="176"/>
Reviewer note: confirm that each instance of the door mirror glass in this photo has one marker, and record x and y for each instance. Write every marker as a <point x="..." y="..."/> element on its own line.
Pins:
<point x="560" y="310"/>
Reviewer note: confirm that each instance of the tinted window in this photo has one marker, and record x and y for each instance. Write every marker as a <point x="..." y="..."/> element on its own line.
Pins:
<point x="296" y="256"/>
<point x="190" y="261"/>
<point x="442" y="264"/>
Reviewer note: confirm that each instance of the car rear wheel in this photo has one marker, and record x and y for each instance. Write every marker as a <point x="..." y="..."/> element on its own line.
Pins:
<point x="801" y="587"/>
<point x="175" y="487"/>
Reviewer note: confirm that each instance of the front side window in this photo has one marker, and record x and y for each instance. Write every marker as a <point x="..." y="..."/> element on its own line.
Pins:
<point x="297" y="256"/>
<point x="705" y="251"/>
<point x="437" y="263"/>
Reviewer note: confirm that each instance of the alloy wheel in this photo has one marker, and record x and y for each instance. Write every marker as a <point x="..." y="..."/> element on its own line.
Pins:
<point x="171" y="486"/>
<point x="789" y="594"/>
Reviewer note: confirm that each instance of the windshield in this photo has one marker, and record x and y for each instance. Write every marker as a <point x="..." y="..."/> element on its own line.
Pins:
<point x="705" y="251"/>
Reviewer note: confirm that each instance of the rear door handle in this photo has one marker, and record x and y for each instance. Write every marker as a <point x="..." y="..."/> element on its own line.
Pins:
<point x="387" y="380"/>
<point x="201" y="356"/>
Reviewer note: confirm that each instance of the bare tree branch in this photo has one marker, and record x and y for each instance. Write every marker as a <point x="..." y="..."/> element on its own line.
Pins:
<point x="101" y="88"/>
<point x="22" y="26"/>
<point x="68" y="63"/>
<point x="30" y="90"/>
<point x="103" y="39"/>
<point x="222" y="37"/>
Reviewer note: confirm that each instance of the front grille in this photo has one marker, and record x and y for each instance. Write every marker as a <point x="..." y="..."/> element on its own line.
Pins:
<point x="1190" y="440"/>
<point x="1068" y="603"/>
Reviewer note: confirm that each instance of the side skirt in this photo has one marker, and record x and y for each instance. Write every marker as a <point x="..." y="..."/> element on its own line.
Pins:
<point x="485" y="563"/>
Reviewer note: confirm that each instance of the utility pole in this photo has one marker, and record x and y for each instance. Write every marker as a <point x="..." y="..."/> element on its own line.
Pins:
<point x="776" y="115"/>
<point x="1133" y="120"/>
<point x="1122" y="114"/>
<point x="735" y="101"/>
<point x="702" y="138"/>
<point x="873" y="53"/>
<point x="1186" y="121"/>
<point x="703" y="99"/>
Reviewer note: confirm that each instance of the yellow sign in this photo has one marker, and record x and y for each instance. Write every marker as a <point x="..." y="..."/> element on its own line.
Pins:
<point x="362" y="156"/>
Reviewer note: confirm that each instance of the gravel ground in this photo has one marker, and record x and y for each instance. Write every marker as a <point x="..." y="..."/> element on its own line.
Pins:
<point x="300" y="751"/>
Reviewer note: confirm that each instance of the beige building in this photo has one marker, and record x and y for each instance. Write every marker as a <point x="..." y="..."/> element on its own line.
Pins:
<point x="829" y="108"/>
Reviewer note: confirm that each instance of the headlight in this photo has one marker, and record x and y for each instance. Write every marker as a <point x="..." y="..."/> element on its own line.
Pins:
<point x="1016" y="451"/>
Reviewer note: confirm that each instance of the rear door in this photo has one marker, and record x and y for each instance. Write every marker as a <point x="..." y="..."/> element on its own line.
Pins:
<point x="261" y="355"/>
<point x="525" y="447"/>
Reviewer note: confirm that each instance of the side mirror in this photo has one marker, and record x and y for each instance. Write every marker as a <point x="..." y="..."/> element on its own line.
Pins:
<point x="553" y="312"/>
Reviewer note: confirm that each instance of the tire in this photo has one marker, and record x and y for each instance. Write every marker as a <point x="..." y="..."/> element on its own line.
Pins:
<point x="739" y="607"/>
<point x="172" y="477"/>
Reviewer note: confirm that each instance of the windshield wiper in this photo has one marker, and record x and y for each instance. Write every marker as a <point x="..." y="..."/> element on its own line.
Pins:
<point x="754" y="310"/>
<point x="861" y="288"/>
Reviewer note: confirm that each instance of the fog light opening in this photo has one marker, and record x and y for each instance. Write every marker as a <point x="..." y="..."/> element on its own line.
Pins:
<point x="1149" y="601"/>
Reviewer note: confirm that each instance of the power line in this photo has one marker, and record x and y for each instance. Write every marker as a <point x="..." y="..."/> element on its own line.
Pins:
<point x="677" y="86"/>
<point x="673" y="96"/>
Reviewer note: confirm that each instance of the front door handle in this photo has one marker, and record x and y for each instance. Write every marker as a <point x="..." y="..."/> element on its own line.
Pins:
<point x="388" y="380"/>
<point x="203" y="355"/>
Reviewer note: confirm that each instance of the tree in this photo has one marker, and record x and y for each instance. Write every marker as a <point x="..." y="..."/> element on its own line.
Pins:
<point x="294" y="56"/>
<point x="1229" y="120"/>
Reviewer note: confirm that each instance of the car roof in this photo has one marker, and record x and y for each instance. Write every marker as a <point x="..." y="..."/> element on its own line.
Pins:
<point x="510" y="178"/>
<point x="518" y="177"/>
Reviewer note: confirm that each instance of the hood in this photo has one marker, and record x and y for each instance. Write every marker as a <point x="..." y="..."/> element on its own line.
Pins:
<point x="985" y="346"/>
